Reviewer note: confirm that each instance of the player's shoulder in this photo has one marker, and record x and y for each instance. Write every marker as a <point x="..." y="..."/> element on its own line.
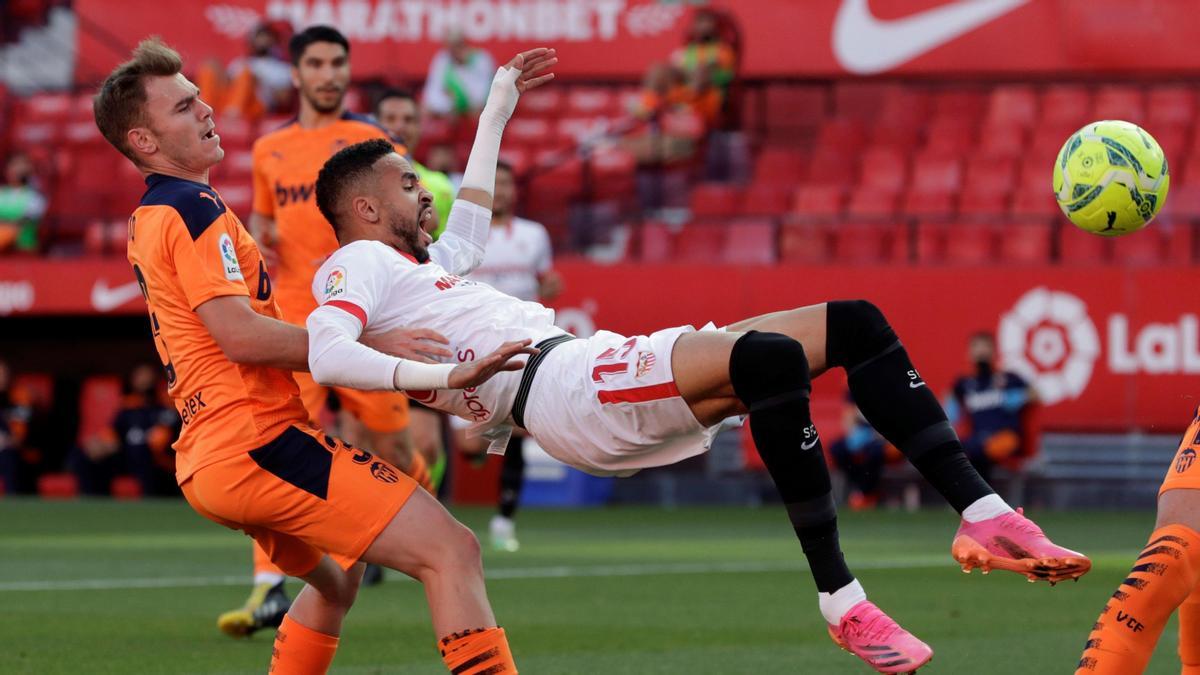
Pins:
<point x="366" y="125"/>
<point x="364" y="253"/>
<point x="197" y="205"/>
<point x="529" y="227"/>
<point x="276" y="137"/>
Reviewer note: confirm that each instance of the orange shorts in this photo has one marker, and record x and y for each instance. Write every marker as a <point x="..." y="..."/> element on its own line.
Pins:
<point x="383" y="412"/>
<point x="301" y="496"/>
<point x="1184" y="472"/>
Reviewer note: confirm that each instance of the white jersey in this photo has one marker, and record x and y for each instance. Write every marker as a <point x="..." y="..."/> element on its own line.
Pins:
<point x="387" y="289"/>
<point x="518" y="254"/>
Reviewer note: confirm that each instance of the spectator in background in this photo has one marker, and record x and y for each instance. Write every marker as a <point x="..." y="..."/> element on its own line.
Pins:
<point x="444" y="159"/>
<point x="21" y="206"/>
<point x="252" y="85"/>
<point x="16" y="410"/>
<point x="860" y="454"/>
<point x="138" y="442"/>
<point x="459" y="79"/>
<point x="707" y="50"/>
<point x="990" y="402"/>
<point x="397" y="111"/>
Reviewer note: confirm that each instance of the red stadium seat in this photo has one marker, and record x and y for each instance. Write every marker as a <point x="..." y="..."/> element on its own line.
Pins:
<point x="238" y="197"/>
<point x="905" y="106"/>
<point x="1012" y="106"/>
<point x="592" y="101"/>
<point x="990" y="176"/>
<point x="779" y="166"/>
<point x="859" y="99"/>
<point x="95" y="237"/>
<point x="556" y="179"/>
<point x="750" y="242"/>
<point x="701" y="242"/>
<point x="766" y="200"/>
<point x="1026" y="242"/>
<point x="1170" y="105"/>
<point x="516" y="157"/>
<point x="870" y="203"/>
<point x="39" y="387"/>
<point x="1120" y="103"/>
<point x="970" y="244"/>
<point x="949" y="136"/>
<point x="80" y="132"/>
<point x="715" y="200"/>
<point x="57" y="486"/>
<point x="576" y="130"/>
<point x="44" y="107"/>
<point x="29" y="133"/>
<point x="961" y="103"/>
<point x="613" y="171"/>
<point x="126" y="488"/>
<point x="805" y="243"/>
<point x="1181" y="246"/>
<point x="528" y="131"/>
<point x="99" y="401"/>
<point x="790" y="107"/>
<point x="543" y="102"/>
<point x="1034" y="203"/>
<point x="934" y="174"/>
<point x="893" y="134"/>
<point x="1146" y="247"/>
<point x="1066" y="105"/>
<point x="1002" y="141"/>
<point x="840" y="134"/>
<point x="657" y="242"/>
<point x="982" y="204"/>
<point x="863" y="243"/>
<point x="819" y="201"/>
<point x="883" y="170"/>
<point x="1078" y="247"/>
<point x="1184" y="200"/>
<point x="830" y="168"/>
<point x="931" y="242"/>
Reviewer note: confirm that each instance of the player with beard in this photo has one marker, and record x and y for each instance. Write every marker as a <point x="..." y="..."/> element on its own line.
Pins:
<point x="296" y="239"/>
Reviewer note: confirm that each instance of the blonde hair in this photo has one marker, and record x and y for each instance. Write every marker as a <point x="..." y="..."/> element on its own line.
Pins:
<point x="120" y="104"/>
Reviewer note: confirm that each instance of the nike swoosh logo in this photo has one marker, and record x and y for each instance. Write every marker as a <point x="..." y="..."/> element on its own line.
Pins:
<point x="810" y="445"/>
<point x="866" y="45"/>
<point x="105" y="299"/>
<point x="915" y="385"/>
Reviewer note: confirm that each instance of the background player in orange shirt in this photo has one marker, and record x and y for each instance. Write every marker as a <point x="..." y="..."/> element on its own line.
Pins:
<point x="1165" y="576"/>
<point x="287" y="225"/>
<point x="246" y="457"/>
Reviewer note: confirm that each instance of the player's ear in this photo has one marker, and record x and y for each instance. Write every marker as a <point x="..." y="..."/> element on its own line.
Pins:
<point x="365" y="208"/>
<point x="296" y="76"/>
<point x="141" y="140"/>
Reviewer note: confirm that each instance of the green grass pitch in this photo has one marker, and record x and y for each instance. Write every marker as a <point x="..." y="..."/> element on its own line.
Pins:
<point x="109" y="587"/>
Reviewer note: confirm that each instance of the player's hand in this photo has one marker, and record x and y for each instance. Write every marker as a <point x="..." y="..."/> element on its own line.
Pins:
<point x="475" y="373"/>
<point x="527" y="70"/>
<point x="415" y="344"/>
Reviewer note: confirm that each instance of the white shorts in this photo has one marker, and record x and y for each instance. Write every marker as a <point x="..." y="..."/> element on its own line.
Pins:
<point x="608" y="405"/>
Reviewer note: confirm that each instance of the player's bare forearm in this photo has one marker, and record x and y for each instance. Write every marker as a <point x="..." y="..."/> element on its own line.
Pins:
<point x="250" y="338"/>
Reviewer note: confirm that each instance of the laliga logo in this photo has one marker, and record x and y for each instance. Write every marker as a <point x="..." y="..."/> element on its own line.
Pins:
<point x="1048" y="338"/>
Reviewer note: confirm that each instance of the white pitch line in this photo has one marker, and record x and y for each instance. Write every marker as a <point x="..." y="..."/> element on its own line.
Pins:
<point x="549" y="572"/>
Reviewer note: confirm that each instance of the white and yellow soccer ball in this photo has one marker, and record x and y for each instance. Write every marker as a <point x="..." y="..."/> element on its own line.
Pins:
<point x="1111" y="178"/>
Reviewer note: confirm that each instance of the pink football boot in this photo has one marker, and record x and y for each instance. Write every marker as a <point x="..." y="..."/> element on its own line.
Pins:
<point x="875" y="638"/>
<point x="1013" y="542"/>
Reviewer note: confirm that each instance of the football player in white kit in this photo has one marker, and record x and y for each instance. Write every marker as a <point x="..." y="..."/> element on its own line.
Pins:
<point x="519" y="262"/>
<point x="612" y="404"/>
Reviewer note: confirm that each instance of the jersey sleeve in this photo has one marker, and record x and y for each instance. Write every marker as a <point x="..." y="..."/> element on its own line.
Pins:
<point x="355" y="281"/>
<point x="207" y="263"/>
<point x="264" y="202"/>
<point x="462" y="246"/>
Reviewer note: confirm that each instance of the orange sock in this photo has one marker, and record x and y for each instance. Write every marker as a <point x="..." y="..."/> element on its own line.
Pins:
<point x="1163" y="576"/>
<point x="300" y="650"/>
<point x="483" y="651"/>
<point x="263" y="564"/>
<point x="1189" y="633"/>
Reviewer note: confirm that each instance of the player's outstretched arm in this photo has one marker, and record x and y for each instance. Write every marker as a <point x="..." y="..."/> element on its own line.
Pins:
<point x="248" y="337"/>
<point x="461" y="247"/>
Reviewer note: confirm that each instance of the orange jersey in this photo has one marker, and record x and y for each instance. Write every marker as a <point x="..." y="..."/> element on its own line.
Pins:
<point x="286" y="164"/>
<point x="187" y="248"/>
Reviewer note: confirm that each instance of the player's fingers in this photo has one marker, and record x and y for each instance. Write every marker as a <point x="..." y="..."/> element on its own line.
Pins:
<point x="524" y="58"/>
<point x="432" y="350"/>
<point x="428" y="334"/>
<point x="533" y="68"/>
<point x="517" y="62"/>
<point x="537" y="82"/>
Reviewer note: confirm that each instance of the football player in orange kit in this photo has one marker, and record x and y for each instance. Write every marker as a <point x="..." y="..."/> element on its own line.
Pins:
<point x="247" y="457"/>
<point x="296" y="239"/>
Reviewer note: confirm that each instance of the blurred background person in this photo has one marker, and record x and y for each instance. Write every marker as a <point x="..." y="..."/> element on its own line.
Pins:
<point x="17" y="464"/>
<point x="459" y="78"/>
<point x="990" y="403"/>
<point x="397" y="111"/>
<point x="21" y="205"/>
<point x="860" y="454"/>
<point x="253" y="85"/>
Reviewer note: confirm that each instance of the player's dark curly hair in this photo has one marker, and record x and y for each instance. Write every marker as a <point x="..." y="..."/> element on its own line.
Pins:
<point x="343" y="170"/>
<point x="300" y="41"/>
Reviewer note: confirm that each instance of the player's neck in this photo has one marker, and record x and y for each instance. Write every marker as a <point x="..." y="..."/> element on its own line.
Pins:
<point x="177" y="172"/>
<point x="504" y="220"/>
<point x="311" y="118"/>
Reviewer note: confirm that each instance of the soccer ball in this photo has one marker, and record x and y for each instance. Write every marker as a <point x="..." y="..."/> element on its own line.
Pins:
<point x="1111" y="178"/>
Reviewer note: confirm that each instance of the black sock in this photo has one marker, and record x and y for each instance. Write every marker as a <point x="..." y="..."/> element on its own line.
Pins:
<point x="512" y="477"/>
<point x="769" y="373"/>
<point x="896" y="401"/>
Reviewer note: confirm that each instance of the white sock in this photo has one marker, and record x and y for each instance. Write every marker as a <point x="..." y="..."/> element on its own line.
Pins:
<point x="267" y="578"/>
<point x="835" y="605"/>
<point x="986" y="507"/>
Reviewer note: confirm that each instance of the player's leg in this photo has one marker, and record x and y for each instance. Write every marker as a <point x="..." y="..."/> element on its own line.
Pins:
<point x="425" y="435"/>
<point x="267" y="604"/>
<point x="1163" y="577"/>
<point x="308" y="636"/>
<point x="503" y="528"/>
<point x="425" y="542"/>
<point x="888" y="389"/>
<point x="766" y="374"/>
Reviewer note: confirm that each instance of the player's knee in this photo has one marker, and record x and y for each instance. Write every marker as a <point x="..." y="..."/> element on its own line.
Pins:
<point x="855" y="331"/>
<point x="341" y="589"/>
<point x="768" y="367"/>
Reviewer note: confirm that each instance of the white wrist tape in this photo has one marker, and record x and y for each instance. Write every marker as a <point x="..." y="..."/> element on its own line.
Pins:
<point x="480" y="172"/>
<point x="421" y="376"/>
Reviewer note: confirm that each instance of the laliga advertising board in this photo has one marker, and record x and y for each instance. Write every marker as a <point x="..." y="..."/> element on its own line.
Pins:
<point x="1108" y="348"/>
